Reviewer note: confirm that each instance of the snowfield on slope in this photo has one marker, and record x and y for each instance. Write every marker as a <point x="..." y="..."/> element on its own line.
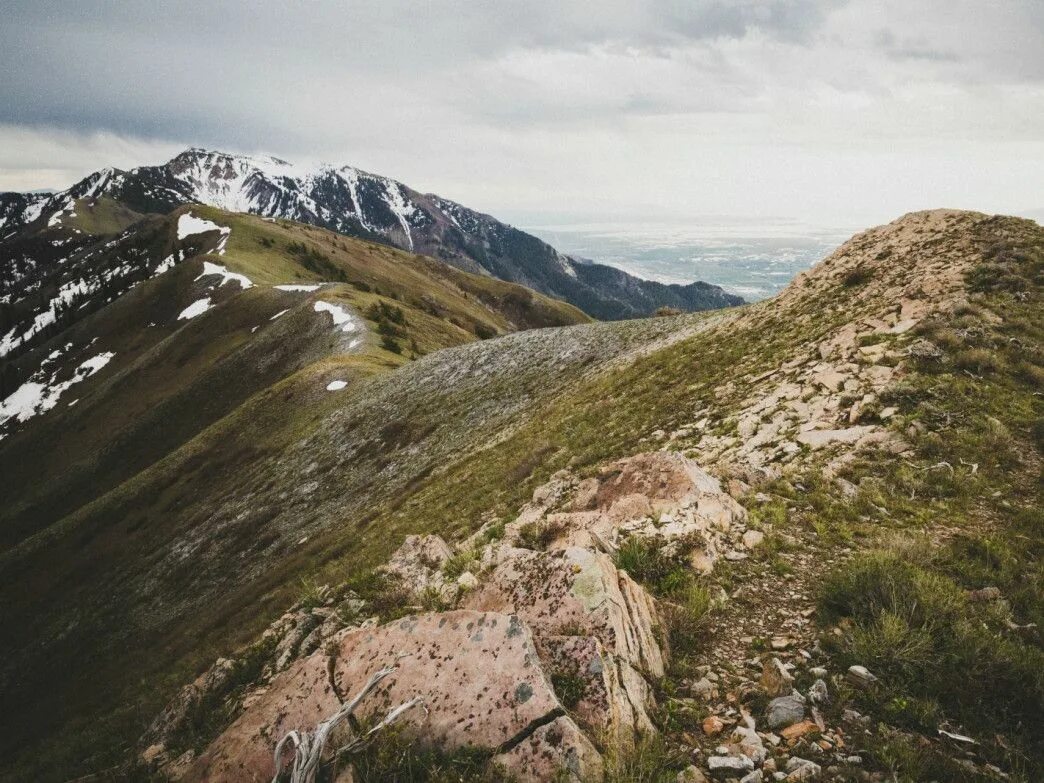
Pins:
<point x="40" y="394"/>
<point x="198" y="307"/>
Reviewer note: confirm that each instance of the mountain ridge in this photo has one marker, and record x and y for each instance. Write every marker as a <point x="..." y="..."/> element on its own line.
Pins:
<point x="369" y="206"/>
<point x="826" y="412"/>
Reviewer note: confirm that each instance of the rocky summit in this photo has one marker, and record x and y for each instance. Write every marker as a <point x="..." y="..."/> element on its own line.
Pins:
<point x="286" y="501"/>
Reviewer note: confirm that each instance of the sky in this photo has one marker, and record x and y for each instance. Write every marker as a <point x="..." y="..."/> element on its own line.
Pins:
<point x="830" y="111"/>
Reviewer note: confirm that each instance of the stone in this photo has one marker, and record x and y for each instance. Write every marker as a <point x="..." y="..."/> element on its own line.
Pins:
<point x="746" y="742"/>
<point x="753" y="539"/>
<point x="721" y="767"/>
<point x="691" y="774"/>
<point x="474" y="670"/>
<point x="784" y="711"/>
<point x="550" y="750"/>
<point x="830" y="379"/>
<point x="154" y="753"/>
<point x="775" y="679"/>
<point x="611" y="621"/>
<point x="798" y="730"/>
<point x="817" y="439"/>
<point x="578" y="588"/>
<point x="615" y="699"/>
<point x="467" y="581"/>
<point x="860" y="676"/>
<point x="819" y="693"/>
<point x="713" y="725"/>
<point x="181" y="708"/>
<point x="704" y="689"/>
<point x="757" y="776"/>
<point x="418" y="562"/>
<point x="799" y="769"/>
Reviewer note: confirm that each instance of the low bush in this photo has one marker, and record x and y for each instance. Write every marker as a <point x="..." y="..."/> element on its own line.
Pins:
<point x="538" y="535"/>
<point x="917" y="631"/>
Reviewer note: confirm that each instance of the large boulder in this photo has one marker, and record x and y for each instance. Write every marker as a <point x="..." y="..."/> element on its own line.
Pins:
<point x="478" y="674"/>
<point x="578" y="590"/>
<point x="593" y="625"/>
<point x="661" y="495"/>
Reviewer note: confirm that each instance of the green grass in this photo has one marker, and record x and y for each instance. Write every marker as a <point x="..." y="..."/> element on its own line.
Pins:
<point x="973" y="418"/>
<point x="387" y="487"/>
<point x="393" y="758"/>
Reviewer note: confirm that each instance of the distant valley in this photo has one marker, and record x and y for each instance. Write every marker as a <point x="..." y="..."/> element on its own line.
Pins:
<point x="753" y="260"/>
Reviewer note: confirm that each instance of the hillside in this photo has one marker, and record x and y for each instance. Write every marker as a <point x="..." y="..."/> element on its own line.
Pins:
<point x="800" y="537"/>
<point x="359" y="204"/>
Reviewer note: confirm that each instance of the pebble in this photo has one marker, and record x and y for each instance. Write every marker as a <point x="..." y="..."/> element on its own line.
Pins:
<point x="818" y="693"/>
<point x="713" y="725"/>
<point x="784" y="711"/>
<point x="729" y="766"/>
<point x="860" y="676"/>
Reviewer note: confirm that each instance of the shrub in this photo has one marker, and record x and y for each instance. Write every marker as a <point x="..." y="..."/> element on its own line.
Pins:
<point x="538" y="535"/>
<point x="389" y="343"/>
<point x="394" y="758"/>
<point x="686" y="612"/>
<point x="650" y="760"/>
<point x="978" y="360"/>
<point x="459" y="563"/>
<point x="855" y="277"/>
<point x="569" y="688"/>
<point x="916" y="630"/>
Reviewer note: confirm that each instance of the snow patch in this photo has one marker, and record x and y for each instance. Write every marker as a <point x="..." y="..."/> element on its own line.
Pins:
<point x="198" y="307"/>
<point x="281" y="312"/>
<point x="40" y="393"/>
<point x="165" y="265"/>
<point x="190" y="225"/>
<point x="216" y="269"/>
<point x="336" y="385"/>
<point x="299" y="287"/>
<point x="341" y="317"/>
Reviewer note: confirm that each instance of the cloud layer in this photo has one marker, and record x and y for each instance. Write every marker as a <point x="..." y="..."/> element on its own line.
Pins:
<point x="849" y="110"/>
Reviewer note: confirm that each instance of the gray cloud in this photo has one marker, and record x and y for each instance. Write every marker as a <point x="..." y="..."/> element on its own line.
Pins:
<point x="514" y="102"/>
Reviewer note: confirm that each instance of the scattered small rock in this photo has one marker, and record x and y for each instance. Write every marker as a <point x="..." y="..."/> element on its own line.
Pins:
<point x="775" y="678"/>
<point x="713" y="725"/>
<point x="784" y="711"/>
<point x="722" y="767"/>
<point x="860" y="676"/>
<point x="819" y="693"/>
<point x="691" y="774"/>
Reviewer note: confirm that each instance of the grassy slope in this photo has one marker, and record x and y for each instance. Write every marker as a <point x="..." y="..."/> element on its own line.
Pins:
<point x="432" y="461"/>
<point x="249" y="384"/>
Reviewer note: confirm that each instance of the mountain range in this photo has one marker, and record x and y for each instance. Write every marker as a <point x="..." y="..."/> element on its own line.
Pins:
<point x="368" y="206"/>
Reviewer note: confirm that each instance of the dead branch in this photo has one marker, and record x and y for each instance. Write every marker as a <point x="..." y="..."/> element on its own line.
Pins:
<point x="309" y="747"/>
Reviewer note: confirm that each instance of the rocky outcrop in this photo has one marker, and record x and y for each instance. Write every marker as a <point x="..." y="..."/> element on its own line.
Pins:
<point x="547" y="657"/>
<point x="477" y="674"/>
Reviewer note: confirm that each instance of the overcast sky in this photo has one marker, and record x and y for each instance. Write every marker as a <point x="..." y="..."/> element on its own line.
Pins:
<point x="822" y="110"/>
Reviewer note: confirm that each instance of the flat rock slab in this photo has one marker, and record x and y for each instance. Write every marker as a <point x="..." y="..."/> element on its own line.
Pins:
<point x="477" y="672"/>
